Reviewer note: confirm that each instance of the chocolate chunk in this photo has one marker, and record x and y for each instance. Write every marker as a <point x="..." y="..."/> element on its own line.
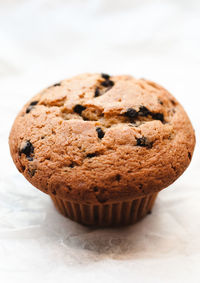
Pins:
<point x="31" y="106"/>
<point x="97" y="92"/>
<point x="90" y="155"/>
<point x="107" y="83"/>
<point x="53" y="192"/>
<point x="189" y="155"/>
<point x="143" y="111"/>
<point x="27" y="149"/>
<point x="144" y="142"/>
<point x="105" y="76"/>
<point x="100" y="132"/>
<point x="79" y="108"/>
<point x="131" y="113"/>
<point x="158" y="116"/>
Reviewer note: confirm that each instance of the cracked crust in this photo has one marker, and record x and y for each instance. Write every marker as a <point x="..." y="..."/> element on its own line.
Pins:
<point x="95" y="138"/>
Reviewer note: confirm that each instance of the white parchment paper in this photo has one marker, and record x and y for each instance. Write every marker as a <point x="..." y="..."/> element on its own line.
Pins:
<point x="42" y="42"/>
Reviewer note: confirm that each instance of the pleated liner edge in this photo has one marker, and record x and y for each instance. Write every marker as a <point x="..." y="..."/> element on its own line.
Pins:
<point x="102" y="215"/>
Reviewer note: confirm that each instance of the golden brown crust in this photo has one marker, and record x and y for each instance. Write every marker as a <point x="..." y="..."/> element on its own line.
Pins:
<point x="96" y="139"/>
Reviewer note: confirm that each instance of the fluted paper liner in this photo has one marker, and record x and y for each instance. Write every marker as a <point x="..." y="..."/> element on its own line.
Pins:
<point x="114" y="214"/>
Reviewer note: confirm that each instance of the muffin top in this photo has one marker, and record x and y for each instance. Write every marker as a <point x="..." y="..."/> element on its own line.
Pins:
<point x="98" y="139"/>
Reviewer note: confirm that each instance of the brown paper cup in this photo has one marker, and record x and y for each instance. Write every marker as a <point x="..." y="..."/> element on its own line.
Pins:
<point x="114" y="214"/>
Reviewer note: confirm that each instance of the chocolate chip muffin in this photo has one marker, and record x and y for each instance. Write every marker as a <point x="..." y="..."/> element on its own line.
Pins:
<point x="102" y="147"/>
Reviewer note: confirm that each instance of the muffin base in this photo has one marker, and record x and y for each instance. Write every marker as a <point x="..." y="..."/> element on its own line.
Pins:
<point x="102" y="215"/>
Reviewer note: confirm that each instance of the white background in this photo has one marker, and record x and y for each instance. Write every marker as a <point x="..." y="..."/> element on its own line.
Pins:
<point x="42" y="42"/>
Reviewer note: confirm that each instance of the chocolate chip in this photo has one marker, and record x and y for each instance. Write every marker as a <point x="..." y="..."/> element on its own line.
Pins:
<point x="143" y="111"/>
<point x="158" y="116"/>
<point x="173" y="111"/>
<point x="101" y="194"/>
<point x="118" y="177"/>
<point x="97" y="92"/>
<point x="107" y="83"/>
<point x="105" y="76"/>
<point x="28" y="109"/>
<point x="34" y="103"/>
<point x="174" y="168"/>
<point x="140" y="186"/>
<point x="31" y="106"/>
<point x="79" y="108"/>
<point x="71" y="165"/>
<point x="31" y="172"/>
<point x="57" y="84"/>
<point x="23" y="168"/>
<point x="131" y="113"/>
<point x="90" y="155"/>
<point x="144" y="142"/>
<point x="100" y="132"/>
<point x="173" y="102"/>
<point x="85" y="118"/>
<point x="53" y="192"/>
<point x="101" y="197"/>
<point x="189" y="155"/>
<point x="27" y="149"/>
<point x="141" y="141"/>
<point x="95" y="189"/>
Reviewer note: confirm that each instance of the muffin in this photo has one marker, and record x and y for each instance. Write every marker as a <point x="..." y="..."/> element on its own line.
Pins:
<point x="102" y="147"/>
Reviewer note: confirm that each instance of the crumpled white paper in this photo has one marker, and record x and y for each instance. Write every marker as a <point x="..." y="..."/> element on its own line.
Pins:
<point x="45" y="41"/>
